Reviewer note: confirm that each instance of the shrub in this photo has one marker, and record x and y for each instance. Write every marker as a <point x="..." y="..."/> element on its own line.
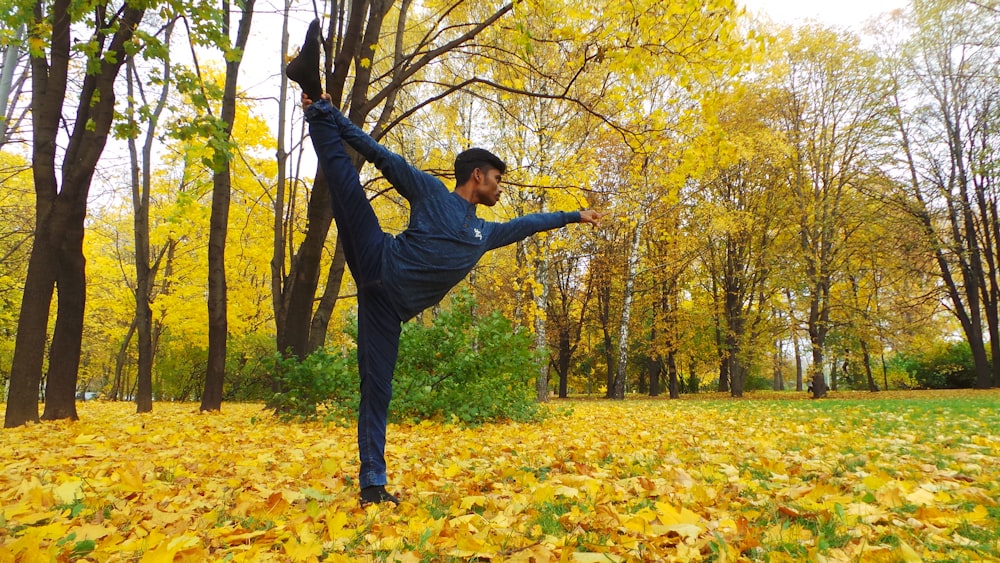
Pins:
<point x="462" y="368"/>
<point x="323" y="385"/>
<point x="944" y="366"/>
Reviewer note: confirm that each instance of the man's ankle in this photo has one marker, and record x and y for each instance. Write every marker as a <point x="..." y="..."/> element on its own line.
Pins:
<point x="376" y="494"/>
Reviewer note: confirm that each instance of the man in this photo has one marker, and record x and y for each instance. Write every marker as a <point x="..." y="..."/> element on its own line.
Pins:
<point x="400" y="276"/>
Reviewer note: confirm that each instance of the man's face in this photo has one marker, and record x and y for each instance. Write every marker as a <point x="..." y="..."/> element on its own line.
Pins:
<point x="488" y="188"/>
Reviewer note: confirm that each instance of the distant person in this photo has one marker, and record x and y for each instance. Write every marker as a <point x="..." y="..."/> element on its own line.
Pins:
<point x="400" y="276"/>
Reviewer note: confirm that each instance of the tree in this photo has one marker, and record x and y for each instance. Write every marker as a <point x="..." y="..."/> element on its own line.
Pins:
<point x="831" y="116"/>
<point x="737" y="211"/>
<point x="145" y="271"/>
<point x="61" y="203"/>
<point x="218" y="322"/>
<point x="946" y="116"/>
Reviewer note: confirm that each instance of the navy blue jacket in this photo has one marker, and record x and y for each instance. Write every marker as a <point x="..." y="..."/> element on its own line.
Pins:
<point x="444" y="239"/>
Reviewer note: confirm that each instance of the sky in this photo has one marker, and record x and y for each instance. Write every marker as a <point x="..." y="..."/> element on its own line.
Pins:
<point x="849" y="13"/>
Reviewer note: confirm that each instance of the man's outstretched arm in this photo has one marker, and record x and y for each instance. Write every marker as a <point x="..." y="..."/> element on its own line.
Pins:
<point x="527" y="225"/>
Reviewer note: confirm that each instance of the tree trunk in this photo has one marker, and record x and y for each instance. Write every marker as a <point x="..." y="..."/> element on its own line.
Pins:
<point x="672" y="376"/>
<point x="321" y="318"/>
<point x="867" y="359"/>
<point x="798" y="362"/>
<point x="818" y="381"/>
<point x="604" y="300"/>
<point x="543" y="280"/>
<point x="565" y="356"/>
<point x="118" y="388"/>
<point x="144" y="271"/>
<point x="654" y="367"/>
<point x="218" y="325"/>
<point x="30" y="340"/>
<point x="630" y="273"/>
<point x="778" y="383"/>
<point x="734" y="340"/>
<point x="281" y="184"/>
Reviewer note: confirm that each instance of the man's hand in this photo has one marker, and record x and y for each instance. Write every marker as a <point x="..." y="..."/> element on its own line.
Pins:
<point x="306" y="102"/>
<point x="591" y="217"/>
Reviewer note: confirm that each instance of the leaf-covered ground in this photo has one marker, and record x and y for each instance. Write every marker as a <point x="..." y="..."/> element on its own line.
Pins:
<point x="852" y="478"/>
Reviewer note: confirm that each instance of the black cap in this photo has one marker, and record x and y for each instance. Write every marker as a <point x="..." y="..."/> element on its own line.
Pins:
<point x="476" y="156"/>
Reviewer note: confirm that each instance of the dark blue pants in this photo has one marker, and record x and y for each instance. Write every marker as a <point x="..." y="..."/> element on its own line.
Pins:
<point x="378" y="323"/>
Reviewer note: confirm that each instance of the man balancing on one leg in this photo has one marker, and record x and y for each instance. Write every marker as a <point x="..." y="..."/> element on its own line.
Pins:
<point x="400" y="276"/>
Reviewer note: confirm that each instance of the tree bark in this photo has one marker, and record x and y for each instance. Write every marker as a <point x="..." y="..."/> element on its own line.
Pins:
<point x="618" y="391"/>
<point x="321" y="318"/>
<point x="218" y="325"/>
<point x="145" y="272"/>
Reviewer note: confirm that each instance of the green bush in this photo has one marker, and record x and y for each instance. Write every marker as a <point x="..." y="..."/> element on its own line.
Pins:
<point x="461" y="368"/>
<point x="322" y="386"/>
<point x="946" y="365"/>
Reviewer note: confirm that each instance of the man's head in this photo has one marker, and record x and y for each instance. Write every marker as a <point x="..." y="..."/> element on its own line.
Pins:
<point x="477" y="175"/>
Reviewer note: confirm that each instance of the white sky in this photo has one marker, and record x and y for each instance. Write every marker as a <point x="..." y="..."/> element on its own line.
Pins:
<point x="850" y="13"/>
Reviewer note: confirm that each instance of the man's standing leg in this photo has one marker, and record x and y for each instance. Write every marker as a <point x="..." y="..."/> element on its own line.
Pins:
<point x="378" y="323"/>
<point x="378" y="345"/>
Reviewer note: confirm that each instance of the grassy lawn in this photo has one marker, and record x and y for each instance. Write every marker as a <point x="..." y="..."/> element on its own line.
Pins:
<point x="772" y="477"/>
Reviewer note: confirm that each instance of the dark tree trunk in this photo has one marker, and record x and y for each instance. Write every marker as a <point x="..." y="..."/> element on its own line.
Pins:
<point x="30" y="341"/>
<point x="724" y="375"/>
<point x="867" y="359"/>
<point x="798" y="362"/>
<point x="779" y="379"/>
<point x="654" y="368"/>
<point x="120" y="361"/>
<point x="218" y="326"/>
<point x="673" y="376"/>
<point x="563" y="359"/>
<point x="145" y="272"/>
<point x="303" y="276"/>
<point x="321" y="318"/>
<point x="294" y="318"/>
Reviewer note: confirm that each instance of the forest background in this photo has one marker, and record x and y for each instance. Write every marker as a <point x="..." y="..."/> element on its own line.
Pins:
<point x="785" y="203"/>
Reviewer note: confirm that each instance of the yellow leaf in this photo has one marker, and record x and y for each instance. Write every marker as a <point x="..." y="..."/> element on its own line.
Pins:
<point x="91" y="532"/>
<point x="470" y="543"/>
<point x="130" y="479"/>
<point x="920" y="497"/>
<point x="873" y="482"/>
<point x="668" y="515"/>
<point x="304" y="551"/>
<point x="568" y="492"/>
<point x="907" y="554"/>
<point x="69" y="492"/>
<point x="471" y="501"/>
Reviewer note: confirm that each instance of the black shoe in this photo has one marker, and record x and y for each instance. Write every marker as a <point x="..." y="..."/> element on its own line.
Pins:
<point x="304" y="68"/>
<point x="376" y="495"/>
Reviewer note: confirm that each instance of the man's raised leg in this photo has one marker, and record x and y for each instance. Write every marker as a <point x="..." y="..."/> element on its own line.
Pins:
<point x="357" y="224"/>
